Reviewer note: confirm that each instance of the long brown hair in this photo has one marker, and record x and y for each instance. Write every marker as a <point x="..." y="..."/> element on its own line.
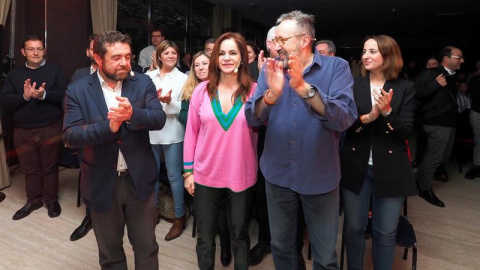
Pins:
<point x="192" y="80"/>
<point x="244" y="79"/>
<point x="392" y="56"/>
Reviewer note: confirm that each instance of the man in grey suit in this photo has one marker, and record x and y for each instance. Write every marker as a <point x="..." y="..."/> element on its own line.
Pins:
<point x="108" y="114"/>
<point x="86" y="224"/>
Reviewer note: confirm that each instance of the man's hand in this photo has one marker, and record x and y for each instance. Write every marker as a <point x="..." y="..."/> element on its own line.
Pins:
<point x="165" y="99"/>
<point x="114" y="125"/>
<point x="123" y="112"/>
<point x="296" y="75"/>
<point x="275" y="76"/>
<point x="27" y="94"/>
<point x="441" y="80"/>
<point x="37" y="93"/>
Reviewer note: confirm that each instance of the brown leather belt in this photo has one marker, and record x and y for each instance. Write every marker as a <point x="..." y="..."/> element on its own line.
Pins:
<point x="123" y="173"/>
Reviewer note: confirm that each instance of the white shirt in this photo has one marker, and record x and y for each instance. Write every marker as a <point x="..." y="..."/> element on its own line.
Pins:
<point x="373" y="88"/>
<point x="173" y="131"/>
<point x="145" y="57"/>
<point x="109" y="94"/>
<point x="450" y="72"/>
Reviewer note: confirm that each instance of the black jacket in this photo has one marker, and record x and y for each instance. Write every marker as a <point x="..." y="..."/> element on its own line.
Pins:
<point x="386" y="137"/>
<point x="437" y="105"/>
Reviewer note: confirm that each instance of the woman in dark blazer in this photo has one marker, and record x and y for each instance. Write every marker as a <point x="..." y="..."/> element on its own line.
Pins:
<point x="375" y="161"/>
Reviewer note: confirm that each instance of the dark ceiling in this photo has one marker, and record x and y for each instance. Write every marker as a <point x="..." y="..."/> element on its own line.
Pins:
<point x="352" y="16"/>
<point x="414" y="23"/>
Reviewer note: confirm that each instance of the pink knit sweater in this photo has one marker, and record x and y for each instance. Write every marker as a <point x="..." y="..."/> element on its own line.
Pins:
<point x="220" y="149"/>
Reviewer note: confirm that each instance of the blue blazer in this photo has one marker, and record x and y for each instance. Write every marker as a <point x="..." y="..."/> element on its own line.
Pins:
<point x="80" y="73"/>
<point x="86" y="126"/>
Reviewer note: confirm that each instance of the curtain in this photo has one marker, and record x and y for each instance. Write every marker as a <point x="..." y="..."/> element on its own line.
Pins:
<point x="4" y="171"/>
<point x="4" y="7"/>
<point x="104" y="15"/>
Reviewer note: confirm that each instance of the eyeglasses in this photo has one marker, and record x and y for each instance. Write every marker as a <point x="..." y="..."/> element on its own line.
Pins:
<point x="32" y="50"/>
<point x="281" y="41"/>
<point x="457" y="57"/>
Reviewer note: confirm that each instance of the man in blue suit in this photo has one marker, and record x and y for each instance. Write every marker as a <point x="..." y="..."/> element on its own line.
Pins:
<point x="86" y="224"/>
<point x="108" y="114"/>
<point x="85" y="71"/>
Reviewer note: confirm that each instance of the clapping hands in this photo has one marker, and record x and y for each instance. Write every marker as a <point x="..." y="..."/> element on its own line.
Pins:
<point x="167" y="98"/>
<point x="117" y="115"/>
<point x="29" y="90"/>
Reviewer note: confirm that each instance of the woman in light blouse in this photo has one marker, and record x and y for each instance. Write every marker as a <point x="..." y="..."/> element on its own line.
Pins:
<point x="169" y="82"/>
<point x="220" y="157"/>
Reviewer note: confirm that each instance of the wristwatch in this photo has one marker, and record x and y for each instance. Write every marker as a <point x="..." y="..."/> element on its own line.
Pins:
<point x="310" y="92"/>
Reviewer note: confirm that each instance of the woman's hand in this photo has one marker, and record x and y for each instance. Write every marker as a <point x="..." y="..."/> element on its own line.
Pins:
<point x="371" y="116"/>
<point x="382" y="101"/>
<point x="165" y="99"/>
<point x="189" y="184"/>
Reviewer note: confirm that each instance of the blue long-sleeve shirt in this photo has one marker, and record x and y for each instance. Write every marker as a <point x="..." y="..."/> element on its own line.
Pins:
<point x="302" y="147"/>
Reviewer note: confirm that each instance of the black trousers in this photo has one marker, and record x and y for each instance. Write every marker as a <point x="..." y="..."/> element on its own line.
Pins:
<point x="259" y="204"/>
<point x="140" y="218"/>
<point x="208" y="202"/>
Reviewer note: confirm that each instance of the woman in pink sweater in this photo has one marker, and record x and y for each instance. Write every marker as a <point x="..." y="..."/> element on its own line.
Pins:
<point x="220" y="156"/>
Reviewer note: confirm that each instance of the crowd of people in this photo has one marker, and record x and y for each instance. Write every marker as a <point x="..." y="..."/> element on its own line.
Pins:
<point x="276" y="139"/>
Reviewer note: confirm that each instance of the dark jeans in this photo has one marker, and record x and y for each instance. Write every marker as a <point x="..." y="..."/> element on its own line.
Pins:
<point x="38" y="150"/>
<point x="140" y="218"/>
<point x="208" y="202"/>
<point x="385" y="213"/>
<point x="321" y="216"/>
<point x="301" y="226"/>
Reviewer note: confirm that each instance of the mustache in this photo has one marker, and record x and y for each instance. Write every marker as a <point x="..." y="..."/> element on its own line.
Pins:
<point x="283" y="55"/>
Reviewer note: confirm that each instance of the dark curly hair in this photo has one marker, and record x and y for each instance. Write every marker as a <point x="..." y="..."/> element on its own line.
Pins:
<point x="109" y="38"/>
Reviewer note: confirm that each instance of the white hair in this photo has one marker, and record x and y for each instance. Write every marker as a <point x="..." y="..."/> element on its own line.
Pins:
<point x="271" y="33"/>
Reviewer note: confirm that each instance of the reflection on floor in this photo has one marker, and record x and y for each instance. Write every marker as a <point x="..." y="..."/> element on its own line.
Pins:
<point x="448" y="238"/>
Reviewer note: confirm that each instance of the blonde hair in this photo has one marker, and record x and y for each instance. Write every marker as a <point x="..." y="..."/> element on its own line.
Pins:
<point x="192" y="80"/>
